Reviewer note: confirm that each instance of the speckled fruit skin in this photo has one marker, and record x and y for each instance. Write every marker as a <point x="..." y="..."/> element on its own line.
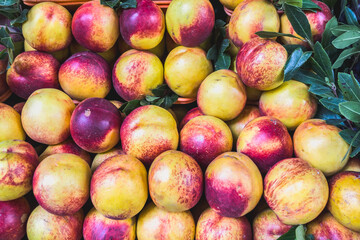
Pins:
<point x="326" y="227"/>
<point x="175" y="181"/>
<point x="192" y="113"/>
<point x="136" y="73"/>
<point x="344" y="199"/>
<point x="142" y="27"/>
<point x="59" y="174"/>
<point x="148" y="131"/>
<point x="10" y="124"/>
<point x="68" y="146"/>
<point x="291" y="103"/>
<point x="101" y="157"/>
<point x="236" y="125"/>
<point x="119" y="188"/>
<point x="95" y="125"/>
<point x="260" y="64"/>
<point x="13" y="217"/>
<point x="85" y="75"/>
<point x="18" y="160"/>
<point x="266" y="141"/>
<point x="317" y="21"/>
<point x="212" y="226"/>
<point x="233" y="184"/>
<point x="184" y="70"/>
<point x="250" y="17"/>
<point x="321" y="145"/>
<point x="295" y="191"/>
<point x="352" y="165"/>
<point x="31" y="71"/>
<point x="204" y="138"/>
<point x="230" y="4"/>
<point x="46" y="116"/>
<point x="60" y="55"/>
<point x="189" y="22"/>
<point x="222" y="95"/>
<point x="46" y="226"/>
<point x="95" y="26"/>
<point x="154" y="223"/>
<point x="267" y="226"/>
<point x="48" y="27"/>
<point x="96" y="226"/>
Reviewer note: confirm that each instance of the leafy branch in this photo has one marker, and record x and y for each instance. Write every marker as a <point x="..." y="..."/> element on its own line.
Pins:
<point x="116" y="4"/>
<point x="162" y="97"/>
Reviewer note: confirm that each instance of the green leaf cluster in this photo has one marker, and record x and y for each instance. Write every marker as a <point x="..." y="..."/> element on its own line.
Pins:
<point x="162" y="97"/>
<point x="116" y="4"/>
<point x="297" y="232"/>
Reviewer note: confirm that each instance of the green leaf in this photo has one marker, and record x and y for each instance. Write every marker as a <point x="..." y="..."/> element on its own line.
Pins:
<point x="350" y="110"/>
<point x="346" y="39"/>
<point x="289" y="235"/>
<point x="290" y="48"/>
<point x="299" y="21"/>
<point x="151" y="98"/>
<point x="128" y="4"/>
<point x="3" y="55"/>
<point x="296" y="3"/>
<point x="332" y="103"/>
<point x="159" y="102"/>
<point x="346" y="54"/>
<point x="7" y="42"/>
<point x="337" y="31"/>
<point x="310" y="6"/>
<point x="321" y="90"/>
<point x="212" y="53"/>
<point x="266" y="34"/>
<point x="325" y="114"/>
<point x="308" y="77"/>
<point x="300" y="232"/>
<point x="349" y="87"/>
<point x="355" y="152"/>
<point x="128" y="107"/>
<point x="7" y="3"/>
<point x="170" y="100"/>
<point x="349" y="136"/>
<point x="330" y="3"/>
<point x="294" y="62"/>
<point x="20" y="19"/>
<point x="335" y="122"/>
<point x="350" y="17"/>
<point x="317" y="68"/>
<point x="4" y="32"/>
<point x="327" y="34"/>
<point x="323" y="59"/>
<point x="160" y="90"/>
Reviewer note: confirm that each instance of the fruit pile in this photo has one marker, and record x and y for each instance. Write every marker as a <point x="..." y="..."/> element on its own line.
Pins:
<point x="131" y="121"/>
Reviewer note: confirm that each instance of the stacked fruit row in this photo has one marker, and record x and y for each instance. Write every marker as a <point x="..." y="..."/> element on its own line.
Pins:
<point x="247" y="151"/>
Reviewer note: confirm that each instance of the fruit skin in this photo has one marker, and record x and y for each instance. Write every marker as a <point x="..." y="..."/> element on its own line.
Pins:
<point x="136" y="73"/>
<point x="142" y="27"/>
<point x="260" y="64"/>
<point x="58" y="174"/>
<point x="344" y="199"/>
<point x="96" y="226"/>
<point x="222" y="95"/>
<point x="60" y="55"/>
<point x="154" y="222"/>
<point x="118" y="187"/>
<point x="10" y="124"/>
<point x="31" y="71"/>
<point x="68" y="146"/>
<point x="184" y="70"/>
<point x="291" y="103"/>
<point x="188" y="22"/>
<point x="46" y="226"/>
<point x="95" y="125"/>
<point x="95" y="26"/>
<point x="326" y="227"/>
<point x="317" y="21"/>
<point x="182" y="188"/>
<point x="46" y="116"/>
<point x="230" y="4"/>
<point x="212" y="226"/>
<point x="267" y="226"/>
<point x="148" y="131"/>
<point x="321" y="145"/>
<point x="48" y="27"/>
<point x="250" y="17"/>
<point x="236" y="125"/>
<point x="266" y="141"/>
<point x="352" y="165"/>
<point x="204" y="138"/>
<point x="18" y="160"/>
<point x="85" y="75"/>
<point x="233" y="184"/>
<point x="13" y="217"/>
<point x="101" y="157"/>
<point x="193" y="113"/>
<point x="295" y="191"/>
